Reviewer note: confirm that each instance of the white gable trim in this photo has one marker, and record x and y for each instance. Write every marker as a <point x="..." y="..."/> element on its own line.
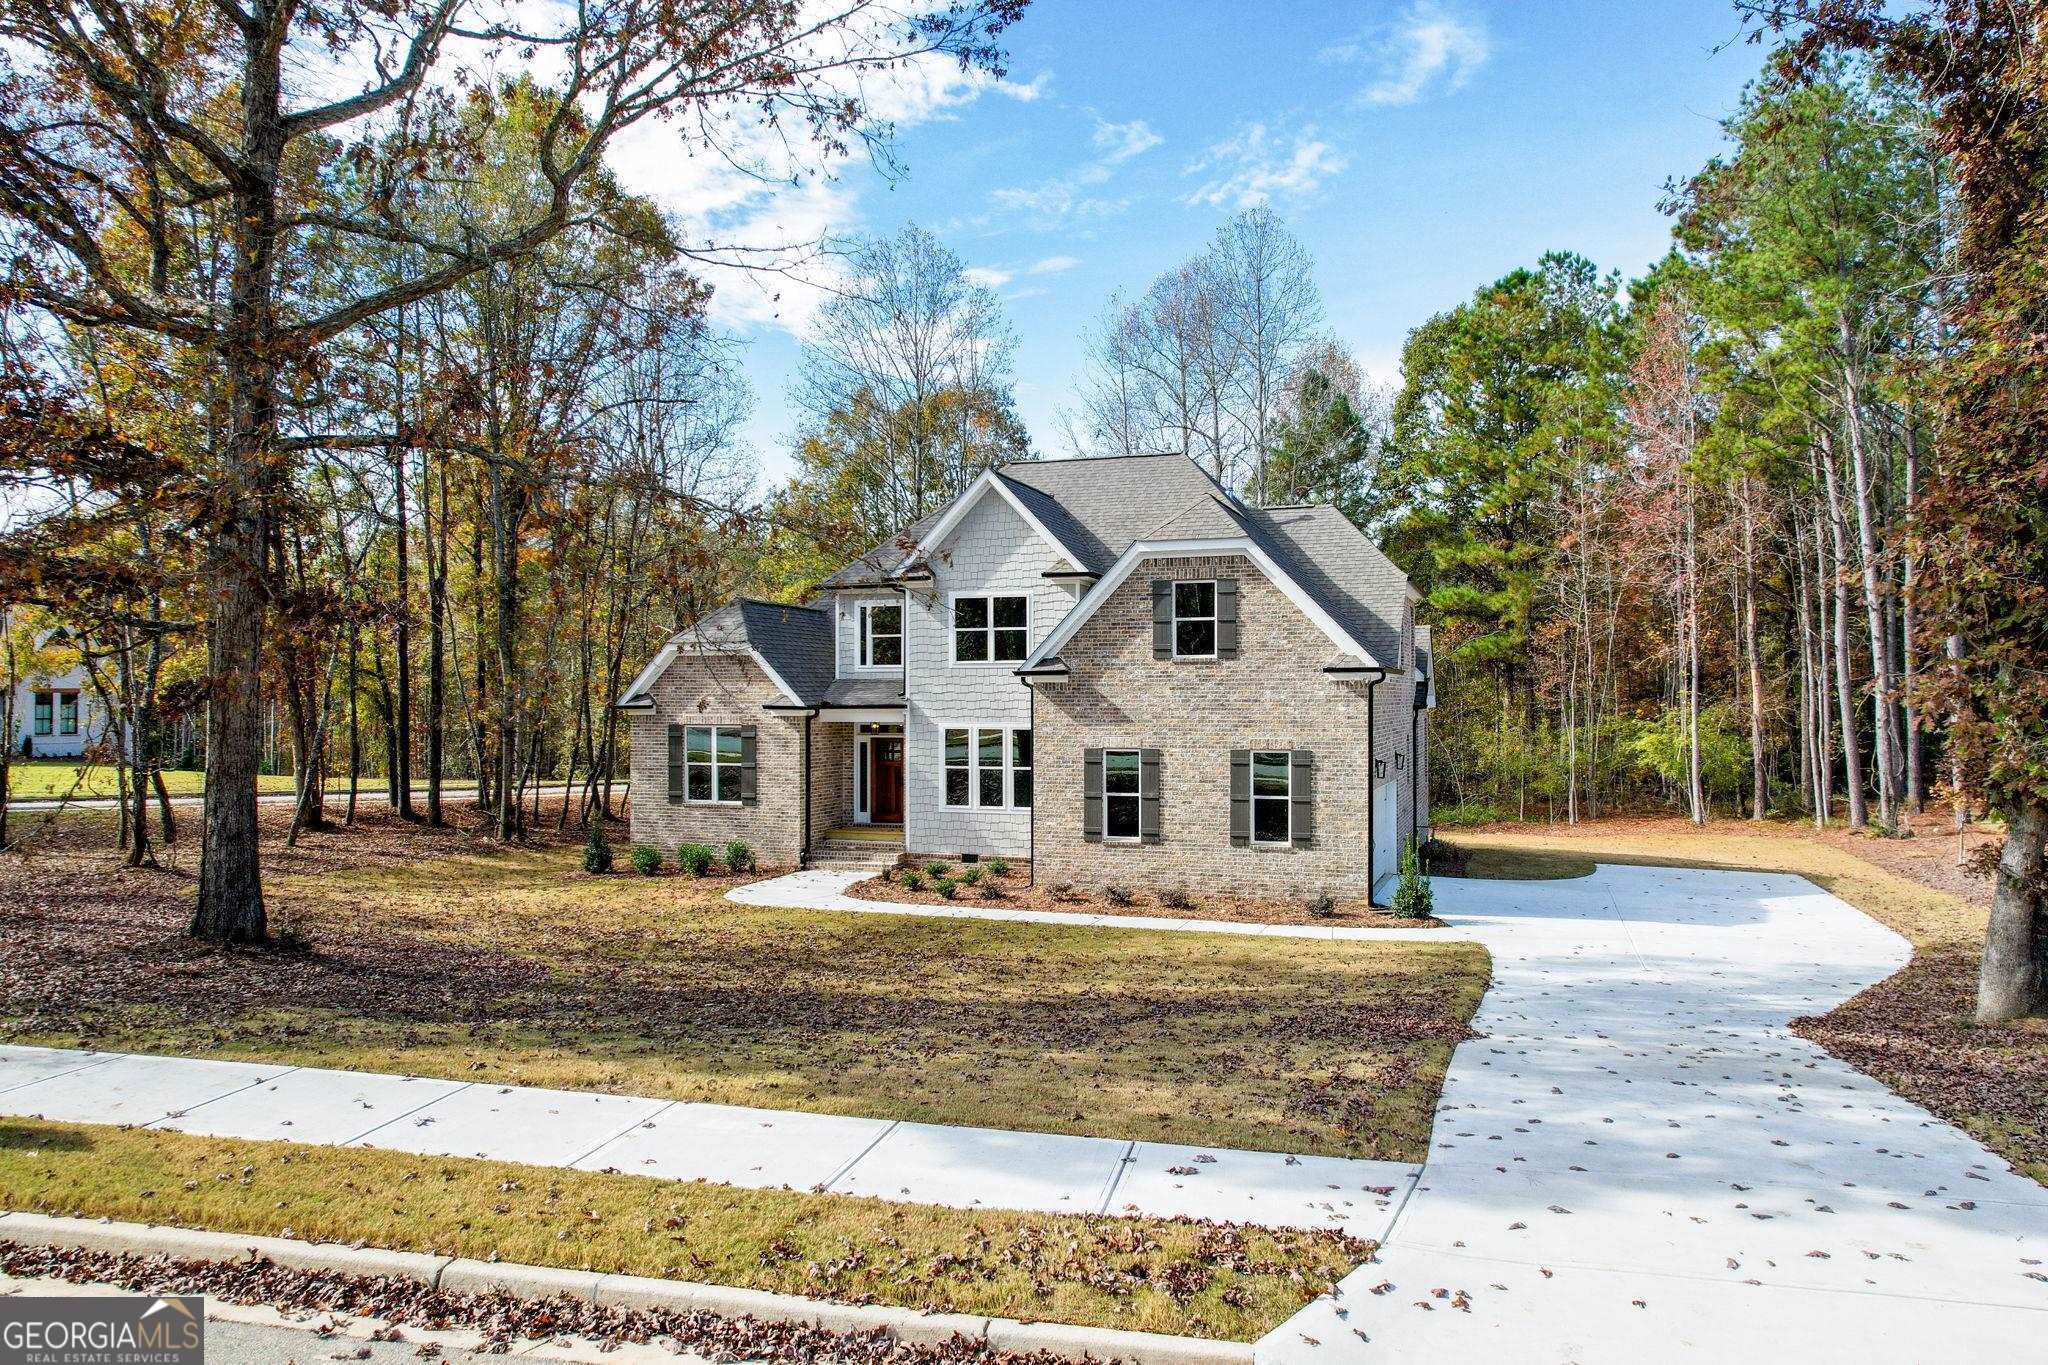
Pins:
<point x="635" y="697"/>
<point x="1143" y="550"/>
<point x="964" y="503"/>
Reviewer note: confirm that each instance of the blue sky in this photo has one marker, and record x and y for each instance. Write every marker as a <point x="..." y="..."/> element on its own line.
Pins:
<point x="1418" y="150"/>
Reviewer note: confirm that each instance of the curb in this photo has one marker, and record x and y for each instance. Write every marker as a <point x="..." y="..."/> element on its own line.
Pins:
<point x="462" y="1276"/>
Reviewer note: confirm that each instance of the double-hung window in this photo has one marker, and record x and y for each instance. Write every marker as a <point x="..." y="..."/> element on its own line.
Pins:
<point x="1120" y="793"/>
<point x="989" y="629"/>
<point x="1272" y="797"/>
<point x="1194" y="620"/>
<point x="712" y="758"/>
<point x="988" y="766"/>
<point x="881" y="635"/>
<point x="67" y="713"/>
<point x="45" y="712"/>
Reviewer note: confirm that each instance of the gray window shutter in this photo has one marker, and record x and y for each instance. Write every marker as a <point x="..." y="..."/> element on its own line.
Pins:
<point x="1091" y="795"/>
<point x="1162" y="618"/>
<point x="1240" y="797"/>
<point x="748" y="789"/>
<point x="675" y="762"/>
<point x="1226" y="618"/>
<point x="1148" y="795"/>
<point x="1302" y="788"/>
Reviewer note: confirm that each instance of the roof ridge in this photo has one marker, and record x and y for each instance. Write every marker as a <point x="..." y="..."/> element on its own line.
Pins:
<point x="780" y="606"/>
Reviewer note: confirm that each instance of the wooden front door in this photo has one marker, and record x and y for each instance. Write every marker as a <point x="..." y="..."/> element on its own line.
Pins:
<point x="885" y="780"/>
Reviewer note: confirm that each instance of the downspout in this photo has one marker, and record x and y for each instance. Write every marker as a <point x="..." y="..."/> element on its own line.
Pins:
<point x="804" y="856"/>
<point x="1031" y="822"/>
<point x="1372" y="787"/>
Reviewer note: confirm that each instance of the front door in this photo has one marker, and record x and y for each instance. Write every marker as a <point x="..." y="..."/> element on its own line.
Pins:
<point x="885" y="780"/>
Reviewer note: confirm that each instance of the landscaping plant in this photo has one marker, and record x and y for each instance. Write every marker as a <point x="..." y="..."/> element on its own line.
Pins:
<point x="1117" y="895"/>
<point x="998" y="867"/>
<point x="646" y="859"/>
<point x="946" y="887"/>
<point x="935" y="868"/>
<point x="695" y="859"/>
<point x="913" y="880"/>
<point x="1174" y="898"/>
<point x="597" y="853"/>
<point x="738" y="857"/>
<point x="969" y="876"/>
<point x="1412" y="897"/>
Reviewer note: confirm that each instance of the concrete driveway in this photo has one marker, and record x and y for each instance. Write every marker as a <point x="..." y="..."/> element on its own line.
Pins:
<point x="1641" y="1162"/>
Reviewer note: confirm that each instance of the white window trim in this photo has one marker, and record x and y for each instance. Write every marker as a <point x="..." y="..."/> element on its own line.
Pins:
<point x="974" y="770"/>
<point x="738" y="765"/>
<point x="36" y="716"/>
<point x="1287" y="801"/>
<point x="1137" y="796"/>
<point x="67" y="715"/>
<point x="861" y="608"/>
<point x="953" y="658"/>
<point x="1173" y="596"/>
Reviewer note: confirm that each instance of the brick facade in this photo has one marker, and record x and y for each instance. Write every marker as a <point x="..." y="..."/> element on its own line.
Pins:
<point x="719" y="690"/>
<point x="1273" y="695"/>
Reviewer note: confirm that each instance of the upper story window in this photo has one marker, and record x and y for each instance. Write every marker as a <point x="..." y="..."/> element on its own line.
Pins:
<point x="1194" y="620"/>
<point x="989" y="629"/>
<point x="881" y="635"/>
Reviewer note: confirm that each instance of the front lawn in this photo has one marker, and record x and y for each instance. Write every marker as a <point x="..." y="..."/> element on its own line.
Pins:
<point x="515" y="967"/>
<point x="1144" y="1274"/>
<point x="48" y="779"/>
<point x="1913" y="1031"/>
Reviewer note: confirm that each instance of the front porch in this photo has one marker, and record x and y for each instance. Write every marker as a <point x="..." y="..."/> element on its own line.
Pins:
<point x="857" y="793"/>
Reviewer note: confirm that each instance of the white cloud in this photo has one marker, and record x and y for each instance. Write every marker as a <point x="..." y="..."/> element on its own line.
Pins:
<point x="1428" y="48"/>
<point x="990" y="277"/>
<point x="1256" y="167"/>
<point x="1053" y="265"/>
<point x="773" y="208"/>
<point x="1122" y="141"/>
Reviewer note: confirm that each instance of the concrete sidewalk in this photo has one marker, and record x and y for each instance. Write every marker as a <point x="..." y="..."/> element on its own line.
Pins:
<point x="761" y="1148"/>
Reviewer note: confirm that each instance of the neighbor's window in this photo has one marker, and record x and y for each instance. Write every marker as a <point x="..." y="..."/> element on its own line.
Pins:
<point x="976" y="770"/>
<point x="711" y="758"/>
<point x="67" y="713"/>
<point x="1272" y="797"/>
<point x="1120" y="793"/>
<point x="881" y="634"/>
<point x="989" y="629"/>
<point x="1194" y="620"/>
<point x="45" y="701"/>
<point x="1020" y="769"/>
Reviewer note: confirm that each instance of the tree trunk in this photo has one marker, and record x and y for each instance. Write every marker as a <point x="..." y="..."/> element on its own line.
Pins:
<point x="1885" y="748"/>
<point x="2014" y="983"/>
<point x="1916" y="770"/>
<point x="1838" y="530"/>
<point x="437" y="614"/>
<point x="401" y="778"/>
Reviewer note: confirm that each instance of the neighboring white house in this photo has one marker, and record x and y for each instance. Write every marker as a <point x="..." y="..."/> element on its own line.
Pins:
<point x="56" y="715"/>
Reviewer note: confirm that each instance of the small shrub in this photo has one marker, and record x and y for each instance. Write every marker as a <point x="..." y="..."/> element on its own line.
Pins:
<point x="1061" y="891"/>
<point x="998" y="867"/>
<point x="946" y="887"/>
<point x="646" y="859"/>
<point x="597" y="854"/>
<point x="1323" y="906"/>
<point x="738" y="857"/>
<point x="1173" y="898"/>
<point x="888" y="873"/>
<point x="913" y="880"/>
<point x="935" y="868"/>
<point x="1412" y="896"/>
<point x="994" y="891"/>
<point x="695" y="859"/>
<point x="969" y="875"/>
<point x="1117" y="895"/>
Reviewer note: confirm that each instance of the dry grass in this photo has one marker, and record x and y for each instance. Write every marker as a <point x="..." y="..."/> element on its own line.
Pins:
<point x="47" y="779"/>
<point x="1913" y="1031"/>
<point x="1144" y="1274"/>
<point x="515" y="967"/>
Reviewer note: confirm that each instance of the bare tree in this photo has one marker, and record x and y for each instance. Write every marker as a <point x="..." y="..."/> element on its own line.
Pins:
<point x="125" y="122"/>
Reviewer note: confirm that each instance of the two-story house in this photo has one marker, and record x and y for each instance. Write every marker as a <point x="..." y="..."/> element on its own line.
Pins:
<point x="1110" y="667"/>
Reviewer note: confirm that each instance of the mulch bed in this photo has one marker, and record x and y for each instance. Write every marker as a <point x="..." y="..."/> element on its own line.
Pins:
<point x="1013" y="891"/>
